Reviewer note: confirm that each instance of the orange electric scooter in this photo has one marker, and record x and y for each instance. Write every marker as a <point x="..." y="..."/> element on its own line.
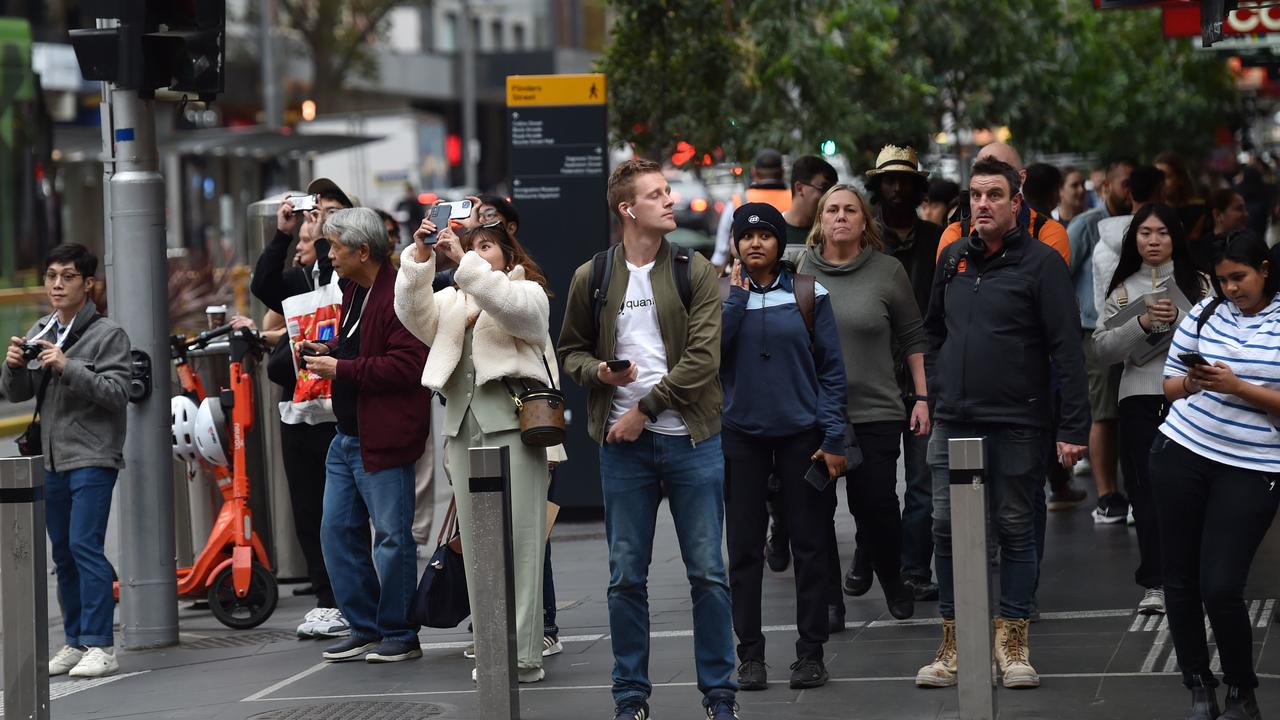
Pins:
<point x="232" y="571"/>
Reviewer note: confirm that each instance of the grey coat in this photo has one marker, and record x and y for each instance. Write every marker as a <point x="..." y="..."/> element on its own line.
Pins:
<point x="83" y="416"/>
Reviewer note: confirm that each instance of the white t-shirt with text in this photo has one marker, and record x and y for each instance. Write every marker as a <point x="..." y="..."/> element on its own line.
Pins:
<point x="640" y="341"/>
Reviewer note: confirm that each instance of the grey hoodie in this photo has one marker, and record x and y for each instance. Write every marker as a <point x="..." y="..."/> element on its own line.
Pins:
<point x="83" y="417"/>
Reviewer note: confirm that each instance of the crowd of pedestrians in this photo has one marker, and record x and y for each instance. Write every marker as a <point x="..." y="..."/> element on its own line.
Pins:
<point x="838" y="327"/>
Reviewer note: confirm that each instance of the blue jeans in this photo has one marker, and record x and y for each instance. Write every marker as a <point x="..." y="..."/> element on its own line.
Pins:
<point x="376" y="604"/>
<point x="77" y="503"/>
<point x="917" y="509"/>
<point x="634" y="476"/>
<point x="1015" y="469"/>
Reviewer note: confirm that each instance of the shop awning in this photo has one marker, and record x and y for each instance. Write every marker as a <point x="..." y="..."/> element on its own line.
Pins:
<point x="84" y="144"/>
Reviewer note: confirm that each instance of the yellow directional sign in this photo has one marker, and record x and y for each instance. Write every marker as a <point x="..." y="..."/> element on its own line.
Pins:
<point x="536" y="90"/>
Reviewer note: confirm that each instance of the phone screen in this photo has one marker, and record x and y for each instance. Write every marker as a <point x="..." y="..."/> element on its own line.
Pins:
<point x="817" y="475"/>
<point x="1192" y="358"/>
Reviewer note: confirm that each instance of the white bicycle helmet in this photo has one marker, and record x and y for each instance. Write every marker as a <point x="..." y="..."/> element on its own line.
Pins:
<point x="184" y="410"/>
<point x="211" y="432"/>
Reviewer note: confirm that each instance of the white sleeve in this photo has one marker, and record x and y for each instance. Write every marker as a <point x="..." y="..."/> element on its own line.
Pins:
<point x="720" y="257"/>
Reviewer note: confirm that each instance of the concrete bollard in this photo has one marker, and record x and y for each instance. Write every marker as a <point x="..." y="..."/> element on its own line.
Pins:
<point x="23" y="585"/>
<point x="493" y="613"/>
<point x="967" y="460"/>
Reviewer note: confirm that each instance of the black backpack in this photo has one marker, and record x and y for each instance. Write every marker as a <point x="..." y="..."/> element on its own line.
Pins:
<point x="601" y="273"/>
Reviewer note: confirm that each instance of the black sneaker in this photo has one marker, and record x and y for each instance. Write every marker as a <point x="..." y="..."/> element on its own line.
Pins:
<point x="858" y="580"/>
<point x="389" y="651"/>
<point x="752" y="675"/>
<point x="722" y="709"/>
<point x="777" y="553"/>
<point x="1113" y="509"/>
<point x="1240" y="704"/>
<point x="808" y="673"/>
<point x="1066" y="497"/>
<point x="632" y="711"/>
<point x="922" y="589"/>
<point x="350" y="649"/>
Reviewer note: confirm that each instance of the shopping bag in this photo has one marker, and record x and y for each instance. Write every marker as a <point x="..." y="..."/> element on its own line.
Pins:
<point x="312" y="317"/>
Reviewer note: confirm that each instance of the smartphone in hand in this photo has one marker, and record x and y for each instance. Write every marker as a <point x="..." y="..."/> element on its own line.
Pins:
<point x="817" y="475"/>
<point x="617" y="365"/>
<point x="1193" y="358"/>
<point x="439" y="214"/>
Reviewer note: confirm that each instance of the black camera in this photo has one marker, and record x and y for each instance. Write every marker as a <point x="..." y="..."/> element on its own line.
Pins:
<point x="31" y="350"/>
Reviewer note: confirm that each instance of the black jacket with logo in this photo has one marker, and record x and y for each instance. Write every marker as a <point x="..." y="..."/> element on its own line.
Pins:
<point x="993" y="326"/>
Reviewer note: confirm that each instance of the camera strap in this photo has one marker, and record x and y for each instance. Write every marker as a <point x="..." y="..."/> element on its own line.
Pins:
<point x="65" y="340"/>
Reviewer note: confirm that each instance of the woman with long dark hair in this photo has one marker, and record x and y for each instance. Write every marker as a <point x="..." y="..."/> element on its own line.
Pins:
<point x="1215" y="465"/>
<point x="487" y="333"/>
<point x="1154" y="262"/>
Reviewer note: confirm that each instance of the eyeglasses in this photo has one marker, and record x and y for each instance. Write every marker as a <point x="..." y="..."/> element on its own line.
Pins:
<point x="67" y="277"/>
<point x="821" y="190"/>
<point x="489" y="215"/>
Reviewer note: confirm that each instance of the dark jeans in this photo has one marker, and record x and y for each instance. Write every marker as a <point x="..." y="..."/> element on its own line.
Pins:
<point x="1213" y="517"/>
<point x="77" y="503"/>
<point x="1140" y="418"/>
<point x="873" y="500"/>
<point x="1015" y="473"/>
<point x="304" y="449"/>
<point x="749" y="461"/>
<point x="917" y="508"/>
<point x="634" y="477"/>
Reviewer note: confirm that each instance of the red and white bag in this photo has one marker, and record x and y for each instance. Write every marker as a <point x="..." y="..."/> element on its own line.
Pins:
<point x="311" y="317"/>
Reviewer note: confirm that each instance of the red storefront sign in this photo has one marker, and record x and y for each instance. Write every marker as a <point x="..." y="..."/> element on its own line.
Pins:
<point x="1184" y="21"/>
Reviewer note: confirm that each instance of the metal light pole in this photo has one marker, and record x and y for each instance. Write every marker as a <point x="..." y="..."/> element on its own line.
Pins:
<point x="271" y="100"/>
<point x="467" y="95"/>
<point x="138" y="282"/>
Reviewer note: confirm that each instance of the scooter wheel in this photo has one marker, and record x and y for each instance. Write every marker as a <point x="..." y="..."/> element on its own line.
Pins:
<point x="242" y="613"/>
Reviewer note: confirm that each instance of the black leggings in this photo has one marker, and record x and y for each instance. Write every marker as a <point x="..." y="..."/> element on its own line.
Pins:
<point x="749" y="461"/>
<point x="1213" y="517"/>
<point x="1140" y="418"/>
<point x="873" y="500"/>
<point x="304" y="449"/>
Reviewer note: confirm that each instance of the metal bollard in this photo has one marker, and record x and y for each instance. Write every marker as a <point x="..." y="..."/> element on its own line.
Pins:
<point x="493" y="612"/>
<point x="967" y="459"/>
<point x="23" y="584"/>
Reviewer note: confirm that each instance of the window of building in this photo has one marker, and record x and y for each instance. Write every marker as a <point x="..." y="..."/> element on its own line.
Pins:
<point x="517" y="37"/>
<point x="495" y="35"/>
<point x="448" y="40"/>
<point x="475" y="35"/>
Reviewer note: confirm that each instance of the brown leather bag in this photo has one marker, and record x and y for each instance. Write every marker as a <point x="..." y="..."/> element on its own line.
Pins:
<point x="541" y="412"/>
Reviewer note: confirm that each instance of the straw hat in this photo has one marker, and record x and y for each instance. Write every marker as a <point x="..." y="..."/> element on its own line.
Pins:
<point x="897" y="159"/>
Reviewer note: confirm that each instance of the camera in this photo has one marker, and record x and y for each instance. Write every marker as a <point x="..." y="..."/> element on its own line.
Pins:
<point x="31" y="350"/>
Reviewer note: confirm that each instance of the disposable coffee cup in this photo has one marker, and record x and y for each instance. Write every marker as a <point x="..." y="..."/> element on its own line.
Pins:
<point x="217" y="315"/>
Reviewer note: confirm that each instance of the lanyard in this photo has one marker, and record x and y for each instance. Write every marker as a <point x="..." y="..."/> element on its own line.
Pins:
<point x="351" y="329"/>
<point x="61" y="334"/>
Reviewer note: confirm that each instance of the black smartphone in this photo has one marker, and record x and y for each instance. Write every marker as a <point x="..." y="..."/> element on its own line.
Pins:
<point x="1192" y="358"/>
<point x="439" y="214"/>
<point x="618" y="365"/>
<point x="817" y="475"/>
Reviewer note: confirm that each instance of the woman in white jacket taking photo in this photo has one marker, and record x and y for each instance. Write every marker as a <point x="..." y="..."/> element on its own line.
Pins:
<point x="488" y="334"/>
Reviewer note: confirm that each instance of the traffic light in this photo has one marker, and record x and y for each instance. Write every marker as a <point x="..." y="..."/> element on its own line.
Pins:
<point x="174" y="44"/>
<point x="828" y="147"/>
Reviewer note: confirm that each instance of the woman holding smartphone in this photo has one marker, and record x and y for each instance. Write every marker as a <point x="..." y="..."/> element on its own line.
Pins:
<point x="779" y="333"/>
<point x="877" y="321"/>
<point x="487" y="333"/>
<point x="1155" y="261"/>
<point x="1215" y="465"/>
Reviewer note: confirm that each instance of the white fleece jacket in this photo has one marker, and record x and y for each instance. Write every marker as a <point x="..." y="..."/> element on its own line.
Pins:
<point x="511" y="316"/>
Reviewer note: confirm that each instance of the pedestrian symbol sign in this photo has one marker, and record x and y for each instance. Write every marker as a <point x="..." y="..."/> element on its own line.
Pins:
<point x="547" y="90"/>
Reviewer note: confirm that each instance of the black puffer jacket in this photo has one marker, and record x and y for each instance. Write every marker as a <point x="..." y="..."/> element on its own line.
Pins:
<point x="993" y="326"/>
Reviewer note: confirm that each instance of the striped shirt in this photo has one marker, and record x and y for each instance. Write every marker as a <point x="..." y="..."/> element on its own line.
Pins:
<point x="1224" y="427"/>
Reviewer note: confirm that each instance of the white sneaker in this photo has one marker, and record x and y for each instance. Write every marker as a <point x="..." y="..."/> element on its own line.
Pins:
<point x="324" y="623"/>
<point x="1083" y="467"/>
<point x="65" y="659"/>
<point x="551" y="646"/>
<point x="97" y="662"/>
<point x="1152" y="602"/>
<point x="469" y="652"/>
<point x="523" y="675"/>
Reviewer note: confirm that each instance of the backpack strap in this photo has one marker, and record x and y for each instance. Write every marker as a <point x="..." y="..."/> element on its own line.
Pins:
<point x="951" y="256"/>
<point x="964" y="228"/>
<point x="601" y="273"/>
<point x="1038" y="224"/>
<point x="1207" y="313"/>
<point x="682" y="274"/>
<point x="806" y="298"/>
<point x="1122" y="295"/>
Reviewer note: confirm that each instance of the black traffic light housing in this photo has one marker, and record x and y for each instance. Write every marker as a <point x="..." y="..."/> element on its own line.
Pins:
<point x="175" y="44"/>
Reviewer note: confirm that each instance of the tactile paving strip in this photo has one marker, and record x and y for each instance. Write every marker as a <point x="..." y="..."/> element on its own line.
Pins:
<point x="240" y="640"/>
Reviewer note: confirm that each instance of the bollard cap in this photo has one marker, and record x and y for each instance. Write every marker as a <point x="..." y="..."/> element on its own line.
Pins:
<point x="19" y="476"/>
<point x="967" y="453"/>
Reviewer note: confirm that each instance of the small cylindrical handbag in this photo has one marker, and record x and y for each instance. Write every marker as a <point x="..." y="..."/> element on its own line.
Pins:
<point x="541" y="412"/>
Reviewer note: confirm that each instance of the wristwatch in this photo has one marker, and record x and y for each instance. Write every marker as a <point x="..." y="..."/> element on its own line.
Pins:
<point x="918" y="398"/>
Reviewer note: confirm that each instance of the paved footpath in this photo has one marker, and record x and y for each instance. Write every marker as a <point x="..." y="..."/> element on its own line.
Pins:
<point x="1098" y="659"/>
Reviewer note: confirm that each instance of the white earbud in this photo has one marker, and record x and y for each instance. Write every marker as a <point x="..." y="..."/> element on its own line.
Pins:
<point x="633" y="215"/>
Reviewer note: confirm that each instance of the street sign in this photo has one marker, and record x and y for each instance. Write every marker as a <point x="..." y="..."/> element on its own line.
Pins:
<point x="558" y="155"/>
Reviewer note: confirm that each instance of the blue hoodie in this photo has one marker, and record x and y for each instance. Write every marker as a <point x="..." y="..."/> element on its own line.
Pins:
<point x="775" y="383"/>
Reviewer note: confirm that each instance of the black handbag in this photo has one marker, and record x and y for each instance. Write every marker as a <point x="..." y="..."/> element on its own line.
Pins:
<point x="441" y="599"/>
<point x="29" y="444"/>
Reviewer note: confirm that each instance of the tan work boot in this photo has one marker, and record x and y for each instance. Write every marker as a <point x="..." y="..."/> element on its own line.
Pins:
<point x="1013" y="653"/>
<point x="942" y="671"/>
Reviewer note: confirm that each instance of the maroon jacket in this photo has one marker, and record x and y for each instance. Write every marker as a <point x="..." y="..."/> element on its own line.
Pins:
<point x="393" y="409"/>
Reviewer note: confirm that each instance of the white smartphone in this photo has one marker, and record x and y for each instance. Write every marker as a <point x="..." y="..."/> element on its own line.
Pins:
<point x="458" y="209"/>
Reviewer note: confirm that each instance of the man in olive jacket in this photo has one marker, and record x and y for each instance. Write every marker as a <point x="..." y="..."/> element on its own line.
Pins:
<point x="658" y="422"/>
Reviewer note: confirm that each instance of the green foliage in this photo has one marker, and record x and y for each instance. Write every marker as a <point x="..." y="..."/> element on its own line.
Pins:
<point x="746" y="74"/>
<point x="340" y="37"/>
